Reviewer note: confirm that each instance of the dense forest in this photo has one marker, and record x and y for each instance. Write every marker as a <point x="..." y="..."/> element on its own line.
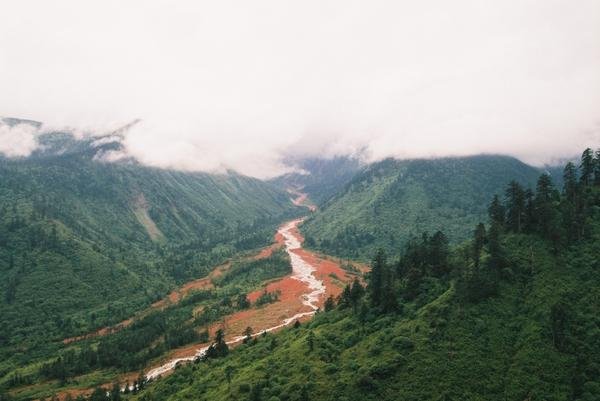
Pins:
<point x="150" y="335"/>
<point x="85" y="244"/>
<point x="511" y="314"/>
<point x="388" y="202"/>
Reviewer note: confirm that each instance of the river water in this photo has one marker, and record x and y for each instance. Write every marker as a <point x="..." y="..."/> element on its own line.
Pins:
<point x="301" y="270"/>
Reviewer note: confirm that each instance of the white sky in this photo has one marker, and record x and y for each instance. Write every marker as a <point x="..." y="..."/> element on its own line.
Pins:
<point x="240" y="84"/>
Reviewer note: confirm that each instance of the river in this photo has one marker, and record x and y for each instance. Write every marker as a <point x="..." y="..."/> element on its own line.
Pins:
<point x="301" y="271"/>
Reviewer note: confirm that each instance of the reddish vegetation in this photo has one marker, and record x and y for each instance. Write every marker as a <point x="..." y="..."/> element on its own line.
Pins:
<point x="268" y="251"/>
<point x="74" y="393"/>
<point x="301" y="199"/>
<point x="290" y="299"/>
<point x="199" y="284"/>
<point x="100" y="332"/>
<point x="291" y="292"/>
<point x="176" y="295"/>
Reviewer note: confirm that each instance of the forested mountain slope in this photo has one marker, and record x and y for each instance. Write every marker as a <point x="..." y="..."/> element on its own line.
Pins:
<point x="320" y="178"/>
<point x="85" y="242"/>
<point x="390" y="201"/>
<point x="511" y="314"/>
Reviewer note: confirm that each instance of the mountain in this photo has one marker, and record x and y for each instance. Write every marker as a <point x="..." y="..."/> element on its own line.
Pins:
<point x="391" y="201"/>
<point x="85" y="242"/>
<point x="320" y="178"/>
<point x="509" y="315"/>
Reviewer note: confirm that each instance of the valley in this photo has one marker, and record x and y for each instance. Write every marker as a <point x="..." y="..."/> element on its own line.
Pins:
<point x="300" y="201"/>
<point x="299" y="295"/>
<point x="177" y="286"/>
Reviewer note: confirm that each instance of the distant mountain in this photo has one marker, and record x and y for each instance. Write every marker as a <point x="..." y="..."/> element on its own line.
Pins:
<point x="388" y="202"/>
<point x="320" y="178"/>
<point x="11" y="122"/>
<point x="84" y="242"/>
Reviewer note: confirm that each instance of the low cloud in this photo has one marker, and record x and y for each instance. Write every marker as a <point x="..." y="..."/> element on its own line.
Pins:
<point x="245" y="85"/>
<point x="18" y="140"/>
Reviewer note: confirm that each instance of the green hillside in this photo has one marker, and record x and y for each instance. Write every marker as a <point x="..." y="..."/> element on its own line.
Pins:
<point x="510" y="315"/>
<point x="391" y="201"/>
<point x="320" y="178"/>
<point x="85" y="243"/>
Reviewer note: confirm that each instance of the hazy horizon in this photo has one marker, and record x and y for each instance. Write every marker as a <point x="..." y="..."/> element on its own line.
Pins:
<point x="243" y="86"/>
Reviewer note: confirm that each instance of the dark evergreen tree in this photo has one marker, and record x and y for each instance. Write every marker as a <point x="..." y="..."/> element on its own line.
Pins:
<point x="247" y="334"/>
<point x="597" y="169"/>
<point x="414" y="278"/>
<point x="345" y="298"/>
<point x="389" y="302"/>
<point x="115" y="392"/>
<point x="496" y="260"/>
<point x="545" y="213"/>
<point x="478" y="243"/>
<point x="570" y="182"/>
<point x="243" y="302"/>
<point x="310" y="340"/>
<point x="329" y="304"/>
<point x="559" y="320"/>
<point x="529" y="221"/>
<point x="356" y="292"/>
<point x="376" y="278"/>
<point x="219" y="347"/>
<point x="99" y="394"/>
<point x="229" y="371"/>
<point x="438" y="254"/>
<point x="587" y="167"/>
<point x="515" y="205"/>
<point x="496" y="211"/>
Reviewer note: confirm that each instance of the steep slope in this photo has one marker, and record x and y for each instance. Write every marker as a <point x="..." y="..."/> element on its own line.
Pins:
<point x="320" y="178"/>
<point x="393" y="200"/>
<point x="445" y="349"/>
<point x="513" y="317"/>
<point x="85" y="242"/>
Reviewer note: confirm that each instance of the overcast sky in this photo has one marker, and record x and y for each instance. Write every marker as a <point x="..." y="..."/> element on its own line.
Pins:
<point x="241" y="84"/>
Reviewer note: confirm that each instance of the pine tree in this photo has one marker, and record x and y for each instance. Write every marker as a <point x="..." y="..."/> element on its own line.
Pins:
<point x="243" y="302"/>
<point x="587" y="167"/>
<point x="478" y="243"/>
<point x="219" y="347"/>
<point x="571" y="206"/>
<point x="329" y="304"/>
<point x="597" y="169"/>
<point x="356" y="292"/>
<point x="345" y="299"/>
<point x="570" y="182"/>
<point x="229" y="370"/>
<point x="310" y="340"/>
<point x="413" y="282"/>
<point x="544" y="191"/>
<point x="529" y="221"/>
<point x="496" y="211"/>
<point x="376" y="278"/>
<point x="544" y="210"/>
<point x="115" y="393"/>
<point x="388" y="291"/>
<point x="247" y="334"/>
<point x="496" y="260"/>
<point x="515" y="200"/>
<point x="438" y="253"/>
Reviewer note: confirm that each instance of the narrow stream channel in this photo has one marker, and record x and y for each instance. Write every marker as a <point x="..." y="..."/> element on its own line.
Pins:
<point x="301" y="270"/>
